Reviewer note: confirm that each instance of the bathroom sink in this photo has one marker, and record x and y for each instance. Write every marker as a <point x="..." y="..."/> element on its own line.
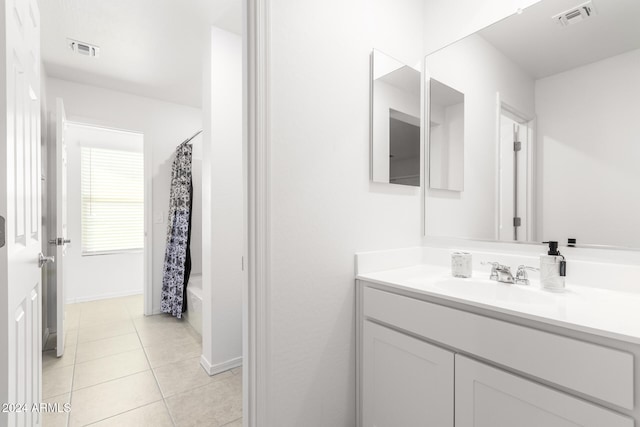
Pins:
<point x="490" y="290"/>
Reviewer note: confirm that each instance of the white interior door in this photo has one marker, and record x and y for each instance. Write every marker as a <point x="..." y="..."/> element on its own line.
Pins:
<point x="20" y="207"/>
<point x="61" y="240"/>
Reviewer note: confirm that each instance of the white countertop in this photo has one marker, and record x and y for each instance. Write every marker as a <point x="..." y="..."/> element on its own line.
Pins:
<point x="604" y="312"/>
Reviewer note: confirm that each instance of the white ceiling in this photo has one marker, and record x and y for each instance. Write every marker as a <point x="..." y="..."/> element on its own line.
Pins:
<point x="542" y="47"/>
<point x="152" y="48"/>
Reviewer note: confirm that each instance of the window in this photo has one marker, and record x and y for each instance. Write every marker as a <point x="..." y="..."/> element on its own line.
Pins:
<point x="112" y="200"/>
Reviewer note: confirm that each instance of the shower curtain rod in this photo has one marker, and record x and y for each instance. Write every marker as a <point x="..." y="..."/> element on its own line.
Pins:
<point x="186" y="141"/>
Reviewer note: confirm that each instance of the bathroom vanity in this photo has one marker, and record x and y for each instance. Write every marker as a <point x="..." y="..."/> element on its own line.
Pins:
<point x="518" y="147"/>
<point x="434" y="350"/>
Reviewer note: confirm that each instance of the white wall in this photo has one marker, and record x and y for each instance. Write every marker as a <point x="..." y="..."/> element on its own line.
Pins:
<point x="588" y="131"/>
<point x="478" y="70"/>
<point x="164" y="126"/>
<point x="98" y="276"/>
<point x="222" y="202"/>
<point x="323" y="206"/>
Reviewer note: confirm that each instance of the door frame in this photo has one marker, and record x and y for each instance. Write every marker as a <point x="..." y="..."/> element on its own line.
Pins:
<point x="256" y="142"/>
<point x="147" y="152"/>
<point x="502" y="104"/>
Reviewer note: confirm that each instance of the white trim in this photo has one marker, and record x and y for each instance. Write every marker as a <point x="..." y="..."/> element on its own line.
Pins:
<point x="425" y="143"/>
<point x="103" y="296"/>
<point x="497" y="183"/>
<point x="148" y="228"/>
<point x="256" y="322"/>
<point x="220" y="367"/>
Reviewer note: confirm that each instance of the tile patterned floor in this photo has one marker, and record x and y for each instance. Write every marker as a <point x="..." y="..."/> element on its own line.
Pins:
<point x="121" y="368"/>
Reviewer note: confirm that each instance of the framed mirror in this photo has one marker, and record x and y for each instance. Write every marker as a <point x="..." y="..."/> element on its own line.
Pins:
<point x="552" y="136"/>
<point x="395" y="121"/>
<point x="446" y="137"/>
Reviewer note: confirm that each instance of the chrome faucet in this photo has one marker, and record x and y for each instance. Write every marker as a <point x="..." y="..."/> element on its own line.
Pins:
<point x="521" y="275"/>
<point x="500" y="273"/>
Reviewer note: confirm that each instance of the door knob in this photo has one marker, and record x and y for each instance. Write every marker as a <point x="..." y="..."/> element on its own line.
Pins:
<point x="45" y="259"/>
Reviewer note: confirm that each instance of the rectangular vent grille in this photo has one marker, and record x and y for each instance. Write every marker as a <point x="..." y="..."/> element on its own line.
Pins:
<point x="575" y="15"/>
<point x="82" y="48"/>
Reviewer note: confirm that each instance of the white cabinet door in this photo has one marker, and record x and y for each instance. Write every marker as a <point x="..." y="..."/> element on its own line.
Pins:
<point x="489" y="397"/>
<point x="405" y="382"/>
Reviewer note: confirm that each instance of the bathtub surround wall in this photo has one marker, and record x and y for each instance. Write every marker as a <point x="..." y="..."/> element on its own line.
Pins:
<point x="222" y="203"/>
<point x="164" y="126"/>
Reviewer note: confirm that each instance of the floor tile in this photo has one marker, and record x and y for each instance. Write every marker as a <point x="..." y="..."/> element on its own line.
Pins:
<point x="178" y="335"/>
<point x="115" y="347"/>
<point x="162" y="354"/>
<point x="94" y="332"/>
<point x="109" y="368"/>
<point x="50" y="360"/>
<point x="72" y="310"/>
<point x="56" y="419"/>
<point x="158" y="320"/>
<point x="184" y="375"/>
<point x="70" y="337"/>
<point x="152" y="415"/>
<point x="107" y="347"/>
<point x="71" y="321"/>
<point x="213" y="405"/>
<point x="57" y="381"/>
<point x="104" y="316"/>
<point x="105" y="400"/>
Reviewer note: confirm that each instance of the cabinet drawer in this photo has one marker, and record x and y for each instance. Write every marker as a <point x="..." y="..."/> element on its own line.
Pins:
<point x="594" y="370"/>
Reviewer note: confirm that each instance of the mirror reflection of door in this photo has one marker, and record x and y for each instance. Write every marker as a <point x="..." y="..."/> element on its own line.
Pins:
<point x="404" y="149"/>
<point x="515" y="185"/>
<point x="446" y="137"/>
<point x="395" y="113"/>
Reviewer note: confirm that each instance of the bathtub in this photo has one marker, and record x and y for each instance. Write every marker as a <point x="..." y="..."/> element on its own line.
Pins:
<point x="194" y="302"/>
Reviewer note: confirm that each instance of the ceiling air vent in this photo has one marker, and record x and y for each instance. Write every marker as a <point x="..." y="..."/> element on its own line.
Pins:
<point x="82" y="48"/>
<point x="575" y="15"/>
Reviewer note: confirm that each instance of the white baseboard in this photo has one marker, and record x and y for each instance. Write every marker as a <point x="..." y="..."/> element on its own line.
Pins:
<point x="103" y="296"/>
<point x="220" y="367"/>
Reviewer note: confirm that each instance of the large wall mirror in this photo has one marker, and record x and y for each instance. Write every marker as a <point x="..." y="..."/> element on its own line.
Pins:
<point x="551" y="127"/>
<point x="395" y="121"/>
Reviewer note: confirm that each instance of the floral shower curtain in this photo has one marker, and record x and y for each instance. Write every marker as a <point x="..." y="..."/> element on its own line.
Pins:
<point x="177" y="260"/>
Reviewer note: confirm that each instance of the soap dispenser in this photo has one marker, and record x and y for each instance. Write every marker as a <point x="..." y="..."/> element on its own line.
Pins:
<point x="553" y="269"/>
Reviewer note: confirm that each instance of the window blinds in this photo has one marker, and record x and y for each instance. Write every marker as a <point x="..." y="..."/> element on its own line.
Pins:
<point x="112" y="200"/>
